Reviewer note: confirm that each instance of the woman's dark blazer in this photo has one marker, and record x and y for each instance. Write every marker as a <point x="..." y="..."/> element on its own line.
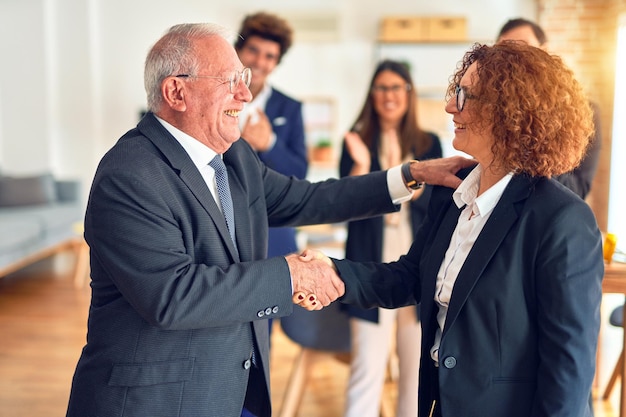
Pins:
<point x="522" y="326"/>
<point x="365" y="237"/>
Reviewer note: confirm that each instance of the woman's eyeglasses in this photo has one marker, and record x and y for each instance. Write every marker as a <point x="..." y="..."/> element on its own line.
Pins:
<point x="461" y="96"/>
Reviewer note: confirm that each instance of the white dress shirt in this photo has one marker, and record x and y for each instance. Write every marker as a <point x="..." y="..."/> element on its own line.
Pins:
<point x="250" y="111"/>
<point x="200" y="155"/>
<point x="470" y="224"/>
<point x="258" y="103"/>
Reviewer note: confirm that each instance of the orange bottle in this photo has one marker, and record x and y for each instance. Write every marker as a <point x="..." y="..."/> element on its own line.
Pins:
<point x="609" y="247"/>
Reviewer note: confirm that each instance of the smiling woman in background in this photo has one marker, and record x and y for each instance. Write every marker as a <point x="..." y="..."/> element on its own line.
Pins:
<point x="385" y="134"/>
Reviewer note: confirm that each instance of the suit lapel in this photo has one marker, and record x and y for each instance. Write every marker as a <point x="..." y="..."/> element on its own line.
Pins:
<point x="434" y="256"/>
<point x="271" y="106"/>
<point x="189" y="174"/>
<point x="495" y="230"/>
<point x="192" y="178"/>
<point x="275" y="109"/>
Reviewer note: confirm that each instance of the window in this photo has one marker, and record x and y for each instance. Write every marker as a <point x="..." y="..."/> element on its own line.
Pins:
<point x="617" y="194"/>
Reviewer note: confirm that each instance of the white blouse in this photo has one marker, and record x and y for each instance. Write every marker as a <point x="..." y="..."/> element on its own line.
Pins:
<point x="470" y="224"/>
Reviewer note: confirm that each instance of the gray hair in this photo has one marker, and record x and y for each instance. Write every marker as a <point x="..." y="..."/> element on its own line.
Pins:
<point x="174" y="54"/>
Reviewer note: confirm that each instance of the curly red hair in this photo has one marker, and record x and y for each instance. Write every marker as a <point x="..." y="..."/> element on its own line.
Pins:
<point x="538" y="114"/>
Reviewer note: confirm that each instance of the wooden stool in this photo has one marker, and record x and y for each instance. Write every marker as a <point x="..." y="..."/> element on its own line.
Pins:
<point x="616" y="319"/>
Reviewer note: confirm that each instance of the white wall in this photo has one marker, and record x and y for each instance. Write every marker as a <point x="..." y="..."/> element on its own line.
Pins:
<point x="71" y="82"/>
<point x="23" y="83"/>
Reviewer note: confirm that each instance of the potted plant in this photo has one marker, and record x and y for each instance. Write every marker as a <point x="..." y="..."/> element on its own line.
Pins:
<point x="323" y="150"/>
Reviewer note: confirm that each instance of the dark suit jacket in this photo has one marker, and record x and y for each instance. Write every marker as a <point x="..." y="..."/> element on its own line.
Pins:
<point x="522" y="325"/>
<point x="365" y="237"/>
<point x="288" y="156"/>
<point x="175" y="309"/>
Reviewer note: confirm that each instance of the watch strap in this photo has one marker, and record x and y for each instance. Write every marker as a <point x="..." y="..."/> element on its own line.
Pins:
<point x="409" y="181"/>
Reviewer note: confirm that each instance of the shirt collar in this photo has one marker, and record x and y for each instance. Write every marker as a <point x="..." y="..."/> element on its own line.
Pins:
<point x="199" y="153"/>
<point x="259" y="102"/>
<point x="465" y="194"/>
<point x="261" y="99"/>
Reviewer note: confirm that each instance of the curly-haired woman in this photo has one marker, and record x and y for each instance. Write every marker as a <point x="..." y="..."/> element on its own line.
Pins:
<point x="508" y="268"/>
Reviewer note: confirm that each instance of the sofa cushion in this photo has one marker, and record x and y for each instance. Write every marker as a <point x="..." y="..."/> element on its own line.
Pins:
<point x="22" y="191"/>
<point x="18" y="233"/>
<point x="55" y="217"/>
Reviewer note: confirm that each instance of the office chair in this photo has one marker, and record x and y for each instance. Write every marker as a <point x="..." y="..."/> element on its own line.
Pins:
<point x="323" y="332"/>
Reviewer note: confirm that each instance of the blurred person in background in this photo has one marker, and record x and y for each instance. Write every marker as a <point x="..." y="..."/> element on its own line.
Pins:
<point x="580" y="179"/>
<point x="385" y="133"/>
<point x="272" y="122"/>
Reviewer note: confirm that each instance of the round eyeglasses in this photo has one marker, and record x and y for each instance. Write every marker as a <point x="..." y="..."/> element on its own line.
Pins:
<point x="461" y="96"/>
<point x="245" y="75"/>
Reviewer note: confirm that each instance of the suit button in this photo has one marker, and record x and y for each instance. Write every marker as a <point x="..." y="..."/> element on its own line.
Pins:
<point x="275" y="309"/>
<point x="247" y="364"/>
<point x="449" y="362"/>
<point x="260" y="313"/>
<point x="268" y="311"/>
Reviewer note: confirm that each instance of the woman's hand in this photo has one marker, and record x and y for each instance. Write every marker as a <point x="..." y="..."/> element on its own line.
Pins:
<point x="359" y="153"/>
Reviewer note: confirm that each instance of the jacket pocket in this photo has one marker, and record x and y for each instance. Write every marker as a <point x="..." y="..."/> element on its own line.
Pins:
<point x="513" y="380"/>
<point x="151" y="373"/>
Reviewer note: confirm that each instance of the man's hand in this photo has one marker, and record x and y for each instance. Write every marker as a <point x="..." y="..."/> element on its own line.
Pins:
<point x="315" y="281"/>
<point x="258" y="131"/>
<point x="441" y="171"/>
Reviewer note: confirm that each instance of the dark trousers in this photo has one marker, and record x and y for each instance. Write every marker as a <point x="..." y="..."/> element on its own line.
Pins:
<point x="255" y="403"/>
<point x="435" y="406"/>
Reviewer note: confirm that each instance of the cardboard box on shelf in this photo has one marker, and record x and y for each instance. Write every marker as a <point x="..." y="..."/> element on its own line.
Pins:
<point x="423" y="29"/>
<point x="447" y="29"/>
<point x="403" y="29"/>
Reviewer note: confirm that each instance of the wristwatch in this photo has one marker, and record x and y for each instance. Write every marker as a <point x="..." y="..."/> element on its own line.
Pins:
<point x="409" y="181"/>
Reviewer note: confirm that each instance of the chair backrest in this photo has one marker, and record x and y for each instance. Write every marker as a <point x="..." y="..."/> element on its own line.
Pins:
<point x="617" y="317"/>
<point x="326" y="329"/>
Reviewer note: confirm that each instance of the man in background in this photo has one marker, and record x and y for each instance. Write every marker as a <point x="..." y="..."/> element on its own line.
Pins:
<point x="272" y="122"/>
<point x="580" y="179"/>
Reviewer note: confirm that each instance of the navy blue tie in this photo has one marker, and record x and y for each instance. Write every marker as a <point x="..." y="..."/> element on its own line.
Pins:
<point x="223" y="190"/>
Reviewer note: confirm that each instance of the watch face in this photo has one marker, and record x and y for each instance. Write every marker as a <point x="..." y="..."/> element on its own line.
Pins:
<point x="416" y="185"/>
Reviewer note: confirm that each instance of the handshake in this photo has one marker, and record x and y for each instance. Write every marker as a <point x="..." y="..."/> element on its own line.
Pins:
<point x="315" y="280"/>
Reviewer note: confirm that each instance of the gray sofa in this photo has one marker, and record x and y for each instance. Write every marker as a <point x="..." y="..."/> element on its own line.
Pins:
<point x="39" y="216"/>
